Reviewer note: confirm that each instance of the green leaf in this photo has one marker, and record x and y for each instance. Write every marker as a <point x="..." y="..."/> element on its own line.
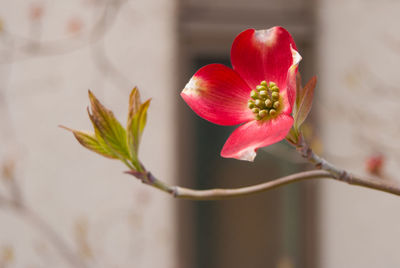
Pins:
<point x="99" y="138"/>
<point x="142" y="116"/>
<point x="135" y="127"/>
<point x="137" y="115"/>
<point x="134" y="105"/>
<point x="304" y="102"/>
<point x="109" y="132"/>
<point x="134" y="102"/>
<point x="89" y="141"/>
<point x="299" y="92"/>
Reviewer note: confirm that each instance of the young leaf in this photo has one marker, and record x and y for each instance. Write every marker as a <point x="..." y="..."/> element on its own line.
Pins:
<point x="134" y="102"/>
<point x="142" y="116"/>
<point x="299" y="93"/>
<point x="108" y="129"/>
<point x="100" y="140"/>
<point x="134" y="105"/>
<point x="89" y="141"/>
<point x="305" y="99"/>
<point x="135" y="127"/>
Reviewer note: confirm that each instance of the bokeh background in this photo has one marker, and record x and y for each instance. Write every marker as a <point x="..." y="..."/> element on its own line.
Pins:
<point x="64" y="206"/>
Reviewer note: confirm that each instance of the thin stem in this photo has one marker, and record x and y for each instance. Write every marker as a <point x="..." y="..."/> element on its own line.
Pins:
<point x="319" y="162"/>
<point x="384" y="185"/>
<point x="42" y="226"/>
<point x="325" y="170"/>
<point x="214" y="194"/>
<point x="52" y="235"/>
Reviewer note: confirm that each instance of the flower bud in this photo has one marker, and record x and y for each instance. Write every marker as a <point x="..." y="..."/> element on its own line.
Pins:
<point x="263" y="93"/>
<point x="274" y="89"/>
<point x="259" y="88"/>
<point x="268" y="103"/>
<point x="253" y="94"/>
<point x="250" y="104"/>
<point x="263" y="113"/>
<point x="259" y="103"/>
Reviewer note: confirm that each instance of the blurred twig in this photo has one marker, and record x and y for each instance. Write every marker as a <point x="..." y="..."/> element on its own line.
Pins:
<point x="16" y="203"/>
<point x="28" y="47"/>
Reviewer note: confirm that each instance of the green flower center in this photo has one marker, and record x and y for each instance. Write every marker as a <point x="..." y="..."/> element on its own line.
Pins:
<point x="265" y="101"/>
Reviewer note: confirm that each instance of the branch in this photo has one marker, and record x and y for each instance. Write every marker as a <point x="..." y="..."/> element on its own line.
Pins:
<point x="214" y="194"/>
<point x="325" y="170"/>
<point x="17" y="204"/>
<point x="49" y="48"/>
<point x="63" y="248"/>
<point x="384" y="185"/>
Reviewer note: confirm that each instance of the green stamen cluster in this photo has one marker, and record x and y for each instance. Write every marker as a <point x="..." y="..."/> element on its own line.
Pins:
<point x="264" y="102"/>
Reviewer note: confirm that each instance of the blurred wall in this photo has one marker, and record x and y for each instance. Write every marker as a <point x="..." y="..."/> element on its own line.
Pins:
<point x="358" y="107"/>
<point x="51" y="53"/>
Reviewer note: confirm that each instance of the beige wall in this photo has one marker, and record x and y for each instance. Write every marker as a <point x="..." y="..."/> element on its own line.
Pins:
<point x="359" y="50"/>
<point x="128" y="224"/>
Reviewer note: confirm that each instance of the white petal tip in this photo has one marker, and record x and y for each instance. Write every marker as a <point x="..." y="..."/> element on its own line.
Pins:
<point x="267" y="37"/>
<point x="192" y="87"/>
<point x="296" y="57"/>
<point x="247" y="155"/>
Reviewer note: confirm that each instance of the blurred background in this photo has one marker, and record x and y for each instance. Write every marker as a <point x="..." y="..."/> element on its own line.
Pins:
<point x="64" y="206"/>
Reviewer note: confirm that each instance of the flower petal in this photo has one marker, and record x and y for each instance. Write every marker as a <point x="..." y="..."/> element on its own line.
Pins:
<point x="218" y="94"/>
<point x="245" y="140"/>
<point x="291" y="80"/>
<point x="289" y="95"/>
<point x="263" y="55"/>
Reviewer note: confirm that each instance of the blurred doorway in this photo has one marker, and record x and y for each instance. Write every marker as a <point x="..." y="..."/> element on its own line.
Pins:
<point x="273" y="229"/>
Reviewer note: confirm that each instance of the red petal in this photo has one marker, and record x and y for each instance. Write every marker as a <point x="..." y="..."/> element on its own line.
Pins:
<point x="263" y="55"/>
<point x="289" y="95"/>
<point x="245" y="140"/>
<point x="291" y="79"/>
<point x="218" y="94"/>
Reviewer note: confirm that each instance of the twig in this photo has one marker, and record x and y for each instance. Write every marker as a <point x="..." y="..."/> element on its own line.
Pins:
<point x="326" y="171"/>
<point x="214" y="194"/>
<point x="17" y="204"/>
<point x="42" y="226"/>
<point x="32" y="47"/>
<point x="385" y="185"/>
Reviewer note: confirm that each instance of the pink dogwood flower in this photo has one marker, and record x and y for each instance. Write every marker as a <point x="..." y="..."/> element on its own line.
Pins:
<point x="259" y="92"/>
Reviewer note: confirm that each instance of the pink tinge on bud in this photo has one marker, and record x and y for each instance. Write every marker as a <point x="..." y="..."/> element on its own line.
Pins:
<point x="374" y="164"/>
<point x="74" y="25"/>
<point x="36" y="11"/>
